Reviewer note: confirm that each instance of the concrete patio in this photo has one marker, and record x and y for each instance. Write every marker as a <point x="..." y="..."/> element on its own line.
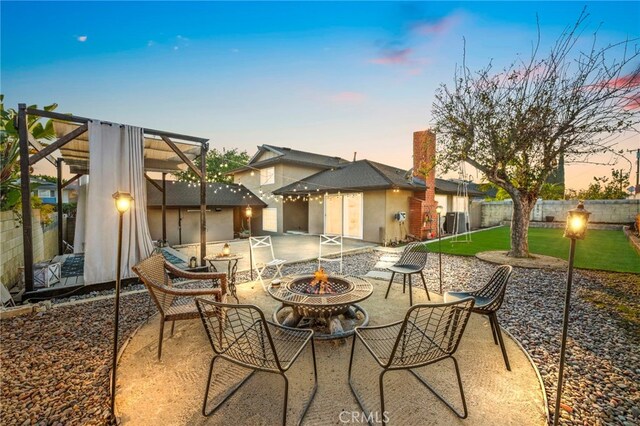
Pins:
<point x="170" y="391"/>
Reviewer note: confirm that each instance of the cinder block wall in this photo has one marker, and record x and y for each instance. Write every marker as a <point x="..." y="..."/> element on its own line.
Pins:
<point x="45" y="245"/>
<point x="602" y="211"/>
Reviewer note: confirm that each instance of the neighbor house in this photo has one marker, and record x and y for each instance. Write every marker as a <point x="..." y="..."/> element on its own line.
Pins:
<point x="361" y="199"/>
<point x="48" y="192"/>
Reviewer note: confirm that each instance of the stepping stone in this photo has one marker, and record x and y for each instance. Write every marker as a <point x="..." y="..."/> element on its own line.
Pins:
<point x="389" y="249"/>
<point x="383" y="265"/>
<point x="379" y="275"/>
<point x="389" y="258"/>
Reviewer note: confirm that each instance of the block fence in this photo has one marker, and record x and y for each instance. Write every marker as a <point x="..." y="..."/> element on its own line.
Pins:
<point x="45" y="245"/>
<point x="602" y="211"/>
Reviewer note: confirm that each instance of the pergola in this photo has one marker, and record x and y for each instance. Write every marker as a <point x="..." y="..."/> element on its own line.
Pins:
<point x="164" y="152"/>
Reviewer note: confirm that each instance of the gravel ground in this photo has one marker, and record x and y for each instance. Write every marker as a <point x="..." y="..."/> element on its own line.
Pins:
<point x="55" y="364"/>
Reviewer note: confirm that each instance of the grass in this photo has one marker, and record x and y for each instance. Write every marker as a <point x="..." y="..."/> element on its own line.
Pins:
<point x="600" y="250"/>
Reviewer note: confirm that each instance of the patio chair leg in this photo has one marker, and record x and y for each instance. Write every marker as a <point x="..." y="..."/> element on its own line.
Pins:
<point x="381" y="384"/>
<point x="424" y="284"/>
<point x="410" y="291"/>
<point x="352" y="387"/>
<point x="493" y="330"/>
<point x="404" y="283"/>
<point x="161" y="338"/>
<point x="393" y="274"/>
<point x="464" y="413"/>
<point x="502" y="347"/>
<point x="173" y="324"/>
<point x="315" y="383"/>
<point x="228" y="394"/>
<point x="286" y="397"/>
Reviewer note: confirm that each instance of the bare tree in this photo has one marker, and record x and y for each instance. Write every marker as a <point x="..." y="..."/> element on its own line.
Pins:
<point x="515" y="125"/>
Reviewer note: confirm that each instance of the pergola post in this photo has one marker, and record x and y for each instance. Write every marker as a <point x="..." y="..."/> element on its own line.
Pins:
<point x="164" y="207"/>
<point x="203" y="203"/>
<point x="59" y="200"/>
<point x="25" y="188"/>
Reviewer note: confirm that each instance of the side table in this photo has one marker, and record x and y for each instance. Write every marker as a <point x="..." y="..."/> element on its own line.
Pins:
<point x="232" y="268"/>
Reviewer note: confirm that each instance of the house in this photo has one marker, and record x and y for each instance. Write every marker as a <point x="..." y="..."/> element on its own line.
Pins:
<point x="226" y="204"/>
<point x="48" y="192"/>
<point x="312" y="193"/>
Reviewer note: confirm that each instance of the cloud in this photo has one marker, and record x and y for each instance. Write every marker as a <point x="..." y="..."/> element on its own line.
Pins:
<point x="393" y="57"/>
<point x="347" y="97"/>
<point x="437" y="26"/>
<point x="82" y="38"/>
<point x="630" y="80"/>
<point x="151" y="43"/>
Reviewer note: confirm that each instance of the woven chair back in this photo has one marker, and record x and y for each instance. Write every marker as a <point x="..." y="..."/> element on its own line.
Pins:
<point x="496" y="288"/>
<point x="155" y="278"/>
<point x="240" y="333"/>
<point x="431" y="331"/>
<point x="414" y="254"/>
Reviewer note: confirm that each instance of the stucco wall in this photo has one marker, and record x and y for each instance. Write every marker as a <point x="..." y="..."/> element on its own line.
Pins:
<point x="45" y="245"/>
<point x="396" y="202"/>
<point x="602" y="211"/>
<point x="316" y="217"/>
<point x="374" y="217"/>
<point x="219" y="225"/>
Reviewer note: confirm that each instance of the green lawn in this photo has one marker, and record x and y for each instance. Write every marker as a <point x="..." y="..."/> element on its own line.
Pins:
<point x="603" y="250"/>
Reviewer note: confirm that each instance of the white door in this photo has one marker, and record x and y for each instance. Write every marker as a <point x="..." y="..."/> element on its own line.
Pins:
<point x="343" y="215"/>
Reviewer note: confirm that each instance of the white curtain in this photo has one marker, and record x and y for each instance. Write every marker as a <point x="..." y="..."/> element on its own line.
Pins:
<point x="81" y="215"/>
<point x="116" y="163"/>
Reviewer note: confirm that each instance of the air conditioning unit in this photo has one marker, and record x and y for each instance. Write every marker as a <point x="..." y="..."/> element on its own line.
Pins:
<point x="458" y="220"/>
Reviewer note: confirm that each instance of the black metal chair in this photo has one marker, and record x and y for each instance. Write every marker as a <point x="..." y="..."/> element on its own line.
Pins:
<point x="241" y="334"/>
<point x="488" y="300"/>
<point x="429" y="333"/>
<point x="412" y="261"/>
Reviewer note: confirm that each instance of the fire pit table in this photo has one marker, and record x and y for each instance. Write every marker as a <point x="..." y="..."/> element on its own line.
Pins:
<point x="329" y="307"/>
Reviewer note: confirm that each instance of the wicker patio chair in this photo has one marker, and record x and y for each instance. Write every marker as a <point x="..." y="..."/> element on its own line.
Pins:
<point x="241" y="334"/>
<point x="429" y="333"/>
<point x="412" y="261"/>
<point x="176" y="303"/>
<point x="488" y="300"/>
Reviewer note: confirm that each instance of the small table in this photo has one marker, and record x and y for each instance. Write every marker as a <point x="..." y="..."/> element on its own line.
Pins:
<point x="232" y="268"/>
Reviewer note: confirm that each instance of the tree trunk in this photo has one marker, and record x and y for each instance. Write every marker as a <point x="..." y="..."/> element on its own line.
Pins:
<point x="522" y="206"/>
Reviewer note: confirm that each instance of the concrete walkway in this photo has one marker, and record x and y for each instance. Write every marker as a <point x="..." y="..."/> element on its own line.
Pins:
<point x="170" y="391"/>
<point x="290" y="247"/>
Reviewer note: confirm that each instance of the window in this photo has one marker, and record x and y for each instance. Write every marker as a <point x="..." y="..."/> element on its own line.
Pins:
<point x="267" y="176"/>
<point x="270" y="220"/>
<point x="46" y="193"/>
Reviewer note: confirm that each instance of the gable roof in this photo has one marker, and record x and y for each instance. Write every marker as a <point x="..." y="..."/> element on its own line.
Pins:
<point x="183" y="194"/>
<point x="288" y="155"/>
<point x="366" y="175"/>
<point x="361" y="175"/>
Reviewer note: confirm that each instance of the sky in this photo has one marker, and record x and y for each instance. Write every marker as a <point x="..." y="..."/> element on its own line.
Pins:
<point x="328" y="77"/>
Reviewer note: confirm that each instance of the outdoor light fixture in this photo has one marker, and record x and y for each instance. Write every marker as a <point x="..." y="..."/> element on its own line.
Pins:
<point x="226" y="250"/>
<point x="123" y="201"/>
<point x="439" y="211"/>
<point x="248" y="212"/>
<point x="575" y="229"/>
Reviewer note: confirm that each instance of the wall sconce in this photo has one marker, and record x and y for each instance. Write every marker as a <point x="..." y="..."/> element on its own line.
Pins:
<point x="248" y="212"/>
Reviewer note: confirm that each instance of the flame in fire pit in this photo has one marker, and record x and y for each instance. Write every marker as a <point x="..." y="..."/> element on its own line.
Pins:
<point x="320" y="284"/>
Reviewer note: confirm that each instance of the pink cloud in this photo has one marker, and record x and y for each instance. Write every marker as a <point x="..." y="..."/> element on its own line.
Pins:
<point x="634" y="102"/>
<point x="439" y="26"/>
<point x="393" y="57"/>
<point x="347" y="97"/>
<point x="631" y="80"/>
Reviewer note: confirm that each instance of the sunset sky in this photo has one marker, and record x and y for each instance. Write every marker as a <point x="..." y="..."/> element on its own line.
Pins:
<point x="332" y="78"/>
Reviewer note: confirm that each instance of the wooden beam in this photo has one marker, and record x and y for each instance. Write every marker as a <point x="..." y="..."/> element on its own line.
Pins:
<point x="83" y="120"/>
<point x="183" y="157"/>
<point x="51" y="148"/>
<point x="59" y="200"/>
<point x="73" y="179"/>
<point x="164" y="208"/>
<point x="27" y="232"/>
<point x="203" y="204"/>
<point x="39" y="147"/>
<point x="153" y="182"/>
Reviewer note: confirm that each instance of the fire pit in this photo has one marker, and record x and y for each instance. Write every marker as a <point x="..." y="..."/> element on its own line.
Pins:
<point x="323" y="302"/>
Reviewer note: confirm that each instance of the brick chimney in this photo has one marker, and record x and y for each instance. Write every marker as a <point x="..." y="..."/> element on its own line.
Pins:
<point x="423" y="219"/>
